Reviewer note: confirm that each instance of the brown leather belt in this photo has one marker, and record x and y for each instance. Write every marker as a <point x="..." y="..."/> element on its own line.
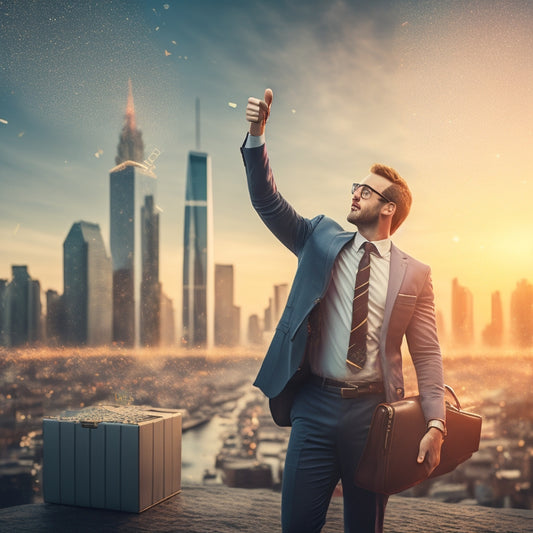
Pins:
<point x="348" y="389"/>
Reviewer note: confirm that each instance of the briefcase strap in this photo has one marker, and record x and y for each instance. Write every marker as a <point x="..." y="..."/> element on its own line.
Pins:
<point x="452" y="392"/>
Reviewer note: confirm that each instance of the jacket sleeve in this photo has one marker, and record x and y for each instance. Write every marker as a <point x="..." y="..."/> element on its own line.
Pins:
<point x="279" y="216"/>
<point x="424" y="348"/>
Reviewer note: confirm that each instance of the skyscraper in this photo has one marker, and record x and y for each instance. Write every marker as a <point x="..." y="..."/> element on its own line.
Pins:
<point x="131" y="184"/>
<point x="55" y="318"/>
<point x="35" y="315"/>
<point x="167" y="329"/>
<point x="281" y="293"/>
<point x="462" y="314"/>
<point x="150" y="286"/>
<point x="198" y="267"/>
<point x="522" y="314"/>
<point x="255" y="334"/>
<point x="227" y="314"/>
<point x="21" y="309"/>
<point x="4" y="341"/>
<point x="493" y="332"/>
<point x="87" y="286"/>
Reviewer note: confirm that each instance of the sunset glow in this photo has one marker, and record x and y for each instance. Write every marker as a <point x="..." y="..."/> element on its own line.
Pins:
<point x="440" y="90"/>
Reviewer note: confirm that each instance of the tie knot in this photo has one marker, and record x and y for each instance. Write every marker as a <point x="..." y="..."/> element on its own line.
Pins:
<point x="370" y="247"/>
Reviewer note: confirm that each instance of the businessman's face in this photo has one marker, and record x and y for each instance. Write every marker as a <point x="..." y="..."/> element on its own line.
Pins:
<point x="367" y="200"/>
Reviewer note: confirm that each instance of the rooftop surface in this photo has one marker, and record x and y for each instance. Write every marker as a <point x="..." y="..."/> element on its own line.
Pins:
<point x="204" y="509"/>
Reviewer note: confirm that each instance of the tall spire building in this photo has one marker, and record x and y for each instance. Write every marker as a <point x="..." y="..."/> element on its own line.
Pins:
<point x="132" y="188"/>
<point x="198" y="264"/>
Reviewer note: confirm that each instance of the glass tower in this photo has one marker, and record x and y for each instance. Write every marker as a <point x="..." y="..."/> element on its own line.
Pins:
<point x="150" y="286"/>
<point x="198" y="267"/>
<point x="87" y="286"/>
<point x="130" y="184"/>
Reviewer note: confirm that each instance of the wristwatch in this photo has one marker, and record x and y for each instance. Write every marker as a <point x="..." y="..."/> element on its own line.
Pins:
<point x="438" y="424"/>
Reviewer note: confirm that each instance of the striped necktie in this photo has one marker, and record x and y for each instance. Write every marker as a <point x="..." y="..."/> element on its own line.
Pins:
<point x="356" y="357"/>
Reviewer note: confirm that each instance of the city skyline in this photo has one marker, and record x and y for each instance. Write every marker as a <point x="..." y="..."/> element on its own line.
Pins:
<point x="438" y="90"/>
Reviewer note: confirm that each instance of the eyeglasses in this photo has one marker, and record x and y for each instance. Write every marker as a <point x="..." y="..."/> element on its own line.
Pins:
<point x="366" y="191"/>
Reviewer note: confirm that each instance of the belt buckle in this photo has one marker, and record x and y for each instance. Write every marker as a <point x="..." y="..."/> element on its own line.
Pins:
<point x="350" y="392"/>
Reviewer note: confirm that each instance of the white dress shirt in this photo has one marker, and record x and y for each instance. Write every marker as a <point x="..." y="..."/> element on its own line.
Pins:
<point x="328" y="356"/>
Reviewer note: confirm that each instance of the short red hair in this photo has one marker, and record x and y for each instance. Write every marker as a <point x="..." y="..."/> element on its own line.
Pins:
<point x="398" y="192"/>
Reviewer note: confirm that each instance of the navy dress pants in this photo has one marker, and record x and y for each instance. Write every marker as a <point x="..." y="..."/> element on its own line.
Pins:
<point x="327" y="438"/>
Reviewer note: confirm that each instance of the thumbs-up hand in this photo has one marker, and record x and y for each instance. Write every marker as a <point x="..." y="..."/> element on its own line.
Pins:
<point x="257" y="112"/>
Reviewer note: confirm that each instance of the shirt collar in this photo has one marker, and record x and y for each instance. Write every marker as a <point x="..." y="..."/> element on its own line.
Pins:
<point x="383" y="246"/>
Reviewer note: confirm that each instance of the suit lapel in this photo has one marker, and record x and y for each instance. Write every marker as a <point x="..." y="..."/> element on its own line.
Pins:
<point x="398" y="267"/>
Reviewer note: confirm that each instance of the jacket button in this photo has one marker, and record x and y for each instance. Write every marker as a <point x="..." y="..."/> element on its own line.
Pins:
<point x="399" y="392"/>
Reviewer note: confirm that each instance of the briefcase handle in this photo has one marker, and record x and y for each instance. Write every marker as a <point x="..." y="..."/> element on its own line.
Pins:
<point x="452" y="393"/>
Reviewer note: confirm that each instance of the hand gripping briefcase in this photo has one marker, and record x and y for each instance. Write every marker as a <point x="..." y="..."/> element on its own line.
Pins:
<point x="388" y="464"/>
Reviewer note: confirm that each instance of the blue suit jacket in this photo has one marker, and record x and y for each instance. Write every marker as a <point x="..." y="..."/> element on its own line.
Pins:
<point x="409" y="307"/>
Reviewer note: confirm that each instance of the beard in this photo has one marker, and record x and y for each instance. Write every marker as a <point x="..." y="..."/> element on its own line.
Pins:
<point x="364" y="217"/>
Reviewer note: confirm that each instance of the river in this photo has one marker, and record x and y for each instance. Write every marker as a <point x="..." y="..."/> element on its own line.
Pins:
<point x="200" y="445"/>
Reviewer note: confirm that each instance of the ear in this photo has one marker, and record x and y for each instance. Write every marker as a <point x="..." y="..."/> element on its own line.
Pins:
<point x="389" y="209"/>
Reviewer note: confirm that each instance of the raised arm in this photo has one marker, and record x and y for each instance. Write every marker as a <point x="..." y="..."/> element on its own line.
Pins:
<point x="278" y="215"/>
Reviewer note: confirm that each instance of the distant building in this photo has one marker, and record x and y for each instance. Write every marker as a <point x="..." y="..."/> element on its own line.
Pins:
<point x="55" y="318"/>
<point x="255" y="334"/>
<point x="198" y="266"/>
<point x="281" y="293"/>
<point x="276" y="305"/>
<point x="268" y="319"/>
<point x="4" y="339"/>
<point x="227" y="315"/>
<point x="22" y="314"/>
<point x="462" y="314"/>
<point x="35" y="313"/>
<point x="167" y="323"/>
<point x="87" y="294"/>
<point x="493" y="332"/>
<point x="522" y="314"/>
<point x="150" y="286"/>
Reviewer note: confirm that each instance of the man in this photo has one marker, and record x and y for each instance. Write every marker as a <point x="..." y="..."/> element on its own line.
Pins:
<point x="328" y="365"/>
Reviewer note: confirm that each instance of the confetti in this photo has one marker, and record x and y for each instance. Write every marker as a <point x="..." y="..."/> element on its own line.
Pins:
<point x="3" y="121"/>
<point x="232" y="104"/>
<point x="167" y="53"/>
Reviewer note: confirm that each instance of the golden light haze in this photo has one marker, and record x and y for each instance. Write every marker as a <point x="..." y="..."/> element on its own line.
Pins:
<point x="451" y="109"/>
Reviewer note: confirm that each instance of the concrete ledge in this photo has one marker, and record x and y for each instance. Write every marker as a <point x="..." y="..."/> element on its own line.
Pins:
<point x="205" y="509"/>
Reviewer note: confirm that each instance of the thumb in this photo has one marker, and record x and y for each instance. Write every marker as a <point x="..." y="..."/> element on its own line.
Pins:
<point x="268" y="97"/>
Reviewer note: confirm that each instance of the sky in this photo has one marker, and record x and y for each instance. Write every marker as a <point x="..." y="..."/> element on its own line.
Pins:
<point x="440" y="90"/>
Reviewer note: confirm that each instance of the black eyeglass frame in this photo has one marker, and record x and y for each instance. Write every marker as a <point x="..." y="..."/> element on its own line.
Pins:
<point x="356" y="186"/>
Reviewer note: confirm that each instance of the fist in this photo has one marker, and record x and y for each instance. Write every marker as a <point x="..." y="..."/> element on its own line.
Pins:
<point x="258" y="111"/>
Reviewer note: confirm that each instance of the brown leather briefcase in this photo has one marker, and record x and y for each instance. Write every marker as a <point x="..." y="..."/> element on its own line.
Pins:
<point x="388" y="464"/>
